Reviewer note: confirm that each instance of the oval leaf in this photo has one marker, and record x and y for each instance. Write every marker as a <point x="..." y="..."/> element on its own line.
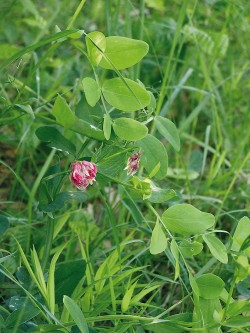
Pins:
<point x="56" y="139"/>
<point x="161" y="195"/>
<point x="153" y="152"/>
<point x="158" y="241"/>
<point x="210" y="285"/>
<point x="216" y="247"/>
<point x="84" y="128"/>
<point x="92" y="91"/>
<point x="187" y="220"/>
<point x="62" y="112"/>
<point x="123" y="52"/>
<point x="129" y="129"/>
<point x="96" y="45"/>
<point x="189" y="249"/>
<point x="125" y="95"/>
<point x="168" y="129"/>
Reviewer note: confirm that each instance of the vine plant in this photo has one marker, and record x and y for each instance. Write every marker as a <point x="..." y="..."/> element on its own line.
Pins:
<point x="123" y="136"/>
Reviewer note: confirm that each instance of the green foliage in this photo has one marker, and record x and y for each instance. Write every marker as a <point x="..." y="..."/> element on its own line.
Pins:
<point x="125" y="94"/>
<point x="56" y="139"/>
<point x="129" y="129"/>
<point x="185" y="219"/>
<point x="158" y="241"/>
<point x="122" y="52"/>
<point x="92" y="91"/>
<point x="167" y="128"/>
<point x="166" y="95"/>
<point x="153" y="152"/>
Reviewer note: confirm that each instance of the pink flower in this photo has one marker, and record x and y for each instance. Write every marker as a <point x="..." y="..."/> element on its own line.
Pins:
<point x="82" y="174"/>
<point x="133" y="163"/>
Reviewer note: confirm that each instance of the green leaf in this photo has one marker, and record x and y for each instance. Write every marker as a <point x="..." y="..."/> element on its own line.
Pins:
<point x="110" y="160"/>
<point x="125" y="95"/>
<point x="158" y="241"/>
<point x="242" y="266"/>
<point x="187" y="220"/>
<point x="242" y="232"/>
<point x="84" y="128"/>
<point x="56" y="139"/>
<point x="107" y="126"/>
<point x="62" y="112"/>
<point x="123" y="52"/>
<point x="96" y="45"/>
<point x="127" y="298"/>
<point x="173" y="324"/>
<point x="216" y="247"/>
<point x="143" y="293"/>
<point x="189" y="249"/>
<point x="61" y="199"/>
<point x="238" y="321"/>
<point x="153" y="152"/>
<point x="28" y="109"/>
<point x="92" y="91"/>
<point x="210" y="285"/>
<point x="76" y="314"/>
<point x="204" y="315"/>
<point x="129" y="129"/>
<point x="194" y="285"/>
<point x="182" y="174"/>
<point x="162" y="195"/>
<point x="4" y="224"/>
<point x="142" y="188"/>
<point x="168" y="129"/>
<point x="67" y="276"/>
<point x="238" y="307"/>
<point x="22" y="315"/>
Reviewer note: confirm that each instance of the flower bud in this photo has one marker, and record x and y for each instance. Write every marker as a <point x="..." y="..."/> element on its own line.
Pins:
<point x="82" y="174"/>
<point x="133" y="163"/>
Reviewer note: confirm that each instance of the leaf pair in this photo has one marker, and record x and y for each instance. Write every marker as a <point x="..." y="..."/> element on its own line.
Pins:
<point x="121" y="93"/>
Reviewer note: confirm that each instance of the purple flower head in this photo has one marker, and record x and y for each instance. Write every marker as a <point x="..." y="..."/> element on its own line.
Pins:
<point x="133" y="163"/>
<point x="82" y="174"/>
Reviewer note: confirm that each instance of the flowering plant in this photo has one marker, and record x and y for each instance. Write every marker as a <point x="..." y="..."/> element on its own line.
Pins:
<point x="82" y="174"/>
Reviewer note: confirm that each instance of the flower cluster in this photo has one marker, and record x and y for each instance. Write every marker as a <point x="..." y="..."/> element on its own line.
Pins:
<point x="133" y="163"/>
<point x="82" y="174"/>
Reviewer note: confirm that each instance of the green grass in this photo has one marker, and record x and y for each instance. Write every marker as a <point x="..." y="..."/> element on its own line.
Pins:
<point x="198" y="69"/>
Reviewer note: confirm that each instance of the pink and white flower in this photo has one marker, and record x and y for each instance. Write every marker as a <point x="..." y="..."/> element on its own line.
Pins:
<point x="133" y="163"/>
<point x="82" y="174"/>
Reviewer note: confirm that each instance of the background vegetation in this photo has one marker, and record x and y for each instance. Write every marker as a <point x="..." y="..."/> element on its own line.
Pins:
<point x="197" y="68"/>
